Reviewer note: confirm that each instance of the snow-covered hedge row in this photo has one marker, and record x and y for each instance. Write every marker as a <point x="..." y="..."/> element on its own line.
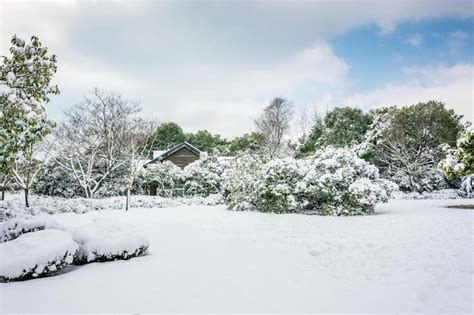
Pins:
<point x="14" y="206"/>
<point x="332" y="182"/>
<point x="36" y="247"/>
<point x="104" y="241"/>
<point x="12" y="229"/>
<point x="36" y="254"/>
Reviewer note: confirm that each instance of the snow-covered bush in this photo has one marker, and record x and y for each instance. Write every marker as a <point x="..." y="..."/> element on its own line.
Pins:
<point x="239" y="182"/>
<point x="279" y="187"/>
<point x="36" y="254"/>
<point x="459" y="161"/>
<point x="203" y="177"/>
<point x="160" y="176"/>
<point x="53" y="180"/>
<point x="13" y="228"/>
<point x="332" y="182"/>
<point x="467" y="186"/>
<point x="104" y="241"/>
<point x="340" y="183"/>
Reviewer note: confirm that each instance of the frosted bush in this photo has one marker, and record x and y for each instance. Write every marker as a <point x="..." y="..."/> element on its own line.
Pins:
<point x="279" y="186"/>
<point x="239" y="182"/>
<point x="36" y="254"/>
<point x="13" y="228"/>
<point x="161" y="176"/>
<point x="103" y="240"/>
<point x="203" y="177"/>
<point x="332" y="182"/>
<point x="340" y="183"/>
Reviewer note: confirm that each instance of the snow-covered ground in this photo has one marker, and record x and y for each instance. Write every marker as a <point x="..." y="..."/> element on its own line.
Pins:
<point x="411" y="256"/>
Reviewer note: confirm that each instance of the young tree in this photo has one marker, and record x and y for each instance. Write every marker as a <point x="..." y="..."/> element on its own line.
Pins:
<point x="140" y="135"/>
<point x="273" y="124"/>
<point x="167" y="135"/>
<point x="94" y="138"/>
<point x="26" y="167"/>
<point x="25" y="87"/>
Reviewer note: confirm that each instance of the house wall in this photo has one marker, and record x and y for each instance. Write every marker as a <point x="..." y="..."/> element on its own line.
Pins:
<point x="182" y="157"/>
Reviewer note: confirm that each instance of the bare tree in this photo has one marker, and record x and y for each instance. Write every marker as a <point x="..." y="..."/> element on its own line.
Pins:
<point x="94" y="138"/>
<point x="303" y="124"/>
<point x="27" y="165"/>
<point x="140" y="135"/>
<point x="274" y="124"/>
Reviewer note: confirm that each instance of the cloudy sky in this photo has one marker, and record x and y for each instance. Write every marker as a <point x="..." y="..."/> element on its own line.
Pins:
<point x="215" y="65"/>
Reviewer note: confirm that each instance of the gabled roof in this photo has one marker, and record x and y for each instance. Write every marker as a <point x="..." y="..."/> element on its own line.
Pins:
<point x="174" y="149"/>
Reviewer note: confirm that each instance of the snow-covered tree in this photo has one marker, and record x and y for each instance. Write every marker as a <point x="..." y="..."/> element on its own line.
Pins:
<point x="203" y="177"/>
<point x="93" y="139"/>
<point x="27" y="165"/>
<point x="405" y="143"/>
<point x="25" y="87"/>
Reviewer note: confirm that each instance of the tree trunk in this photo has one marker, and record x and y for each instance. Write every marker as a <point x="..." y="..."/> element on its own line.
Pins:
<point x="3" y="192"/>
<point x="127" y="203"/>
<point x="27" y="201"/>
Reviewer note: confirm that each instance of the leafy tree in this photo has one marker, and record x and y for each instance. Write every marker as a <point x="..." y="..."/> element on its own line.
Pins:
<point x="248" y="143"/>
<point x="341" y="127"/>
<point x="25" y="87"/>
<point x="167" y="135"/>
<point x="406" y="143"/>
<point x="206" y="141"/>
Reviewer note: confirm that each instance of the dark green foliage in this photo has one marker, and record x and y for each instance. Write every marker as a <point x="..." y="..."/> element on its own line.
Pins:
<point x="248" y="142"/>
<point x="407" y="143"/>
<point x="167" y="135"/>
<point x="206" y="141"/>
<point x="341" y="127"/>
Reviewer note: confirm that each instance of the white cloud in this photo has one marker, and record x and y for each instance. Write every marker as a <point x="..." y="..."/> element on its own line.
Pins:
<point x="458" y="40"/>
<point x="415" y="40"/>
<point x="451" y="85"/>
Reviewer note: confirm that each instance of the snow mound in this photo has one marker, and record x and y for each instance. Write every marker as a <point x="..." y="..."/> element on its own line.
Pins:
<point x="105" y="240"/>
<point x="36" y="254"/>
<point x="13" y="228"/>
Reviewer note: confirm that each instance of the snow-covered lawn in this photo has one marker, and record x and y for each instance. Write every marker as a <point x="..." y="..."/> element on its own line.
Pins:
<point x="411" y="256"/>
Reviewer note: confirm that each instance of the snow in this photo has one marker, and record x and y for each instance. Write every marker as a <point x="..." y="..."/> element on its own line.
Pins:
<point x="412" y="256"/>
<point x="36" y="253"/>
<point x="108" y="240"/>
<point x="15" y="227"/>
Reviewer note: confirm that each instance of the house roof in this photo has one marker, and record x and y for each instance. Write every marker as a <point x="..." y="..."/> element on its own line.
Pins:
<point x="174" y="149"/>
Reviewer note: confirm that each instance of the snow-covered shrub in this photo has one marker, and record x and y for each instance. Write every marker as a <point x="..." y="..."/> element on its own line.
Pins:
<point x="160" y="176"/>
<point x="203" y="177"/>
<point x="36" y="254"/>
<point x="239" y="182"/>
<point x="278" y="188"/>
<point x="54" y="180"/>
<point x="13" y="228"/>
<point x="104" y="241"/>
<point x="427" y="179"/>
<point x="340" y="183"/>
<point x="467" y="185"/>
<point x="459" y="161"/>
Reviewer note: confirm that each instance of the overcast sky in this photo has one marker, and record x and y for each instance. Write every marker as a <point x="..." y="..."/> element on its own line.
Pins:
<point x="214" y="65"/>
